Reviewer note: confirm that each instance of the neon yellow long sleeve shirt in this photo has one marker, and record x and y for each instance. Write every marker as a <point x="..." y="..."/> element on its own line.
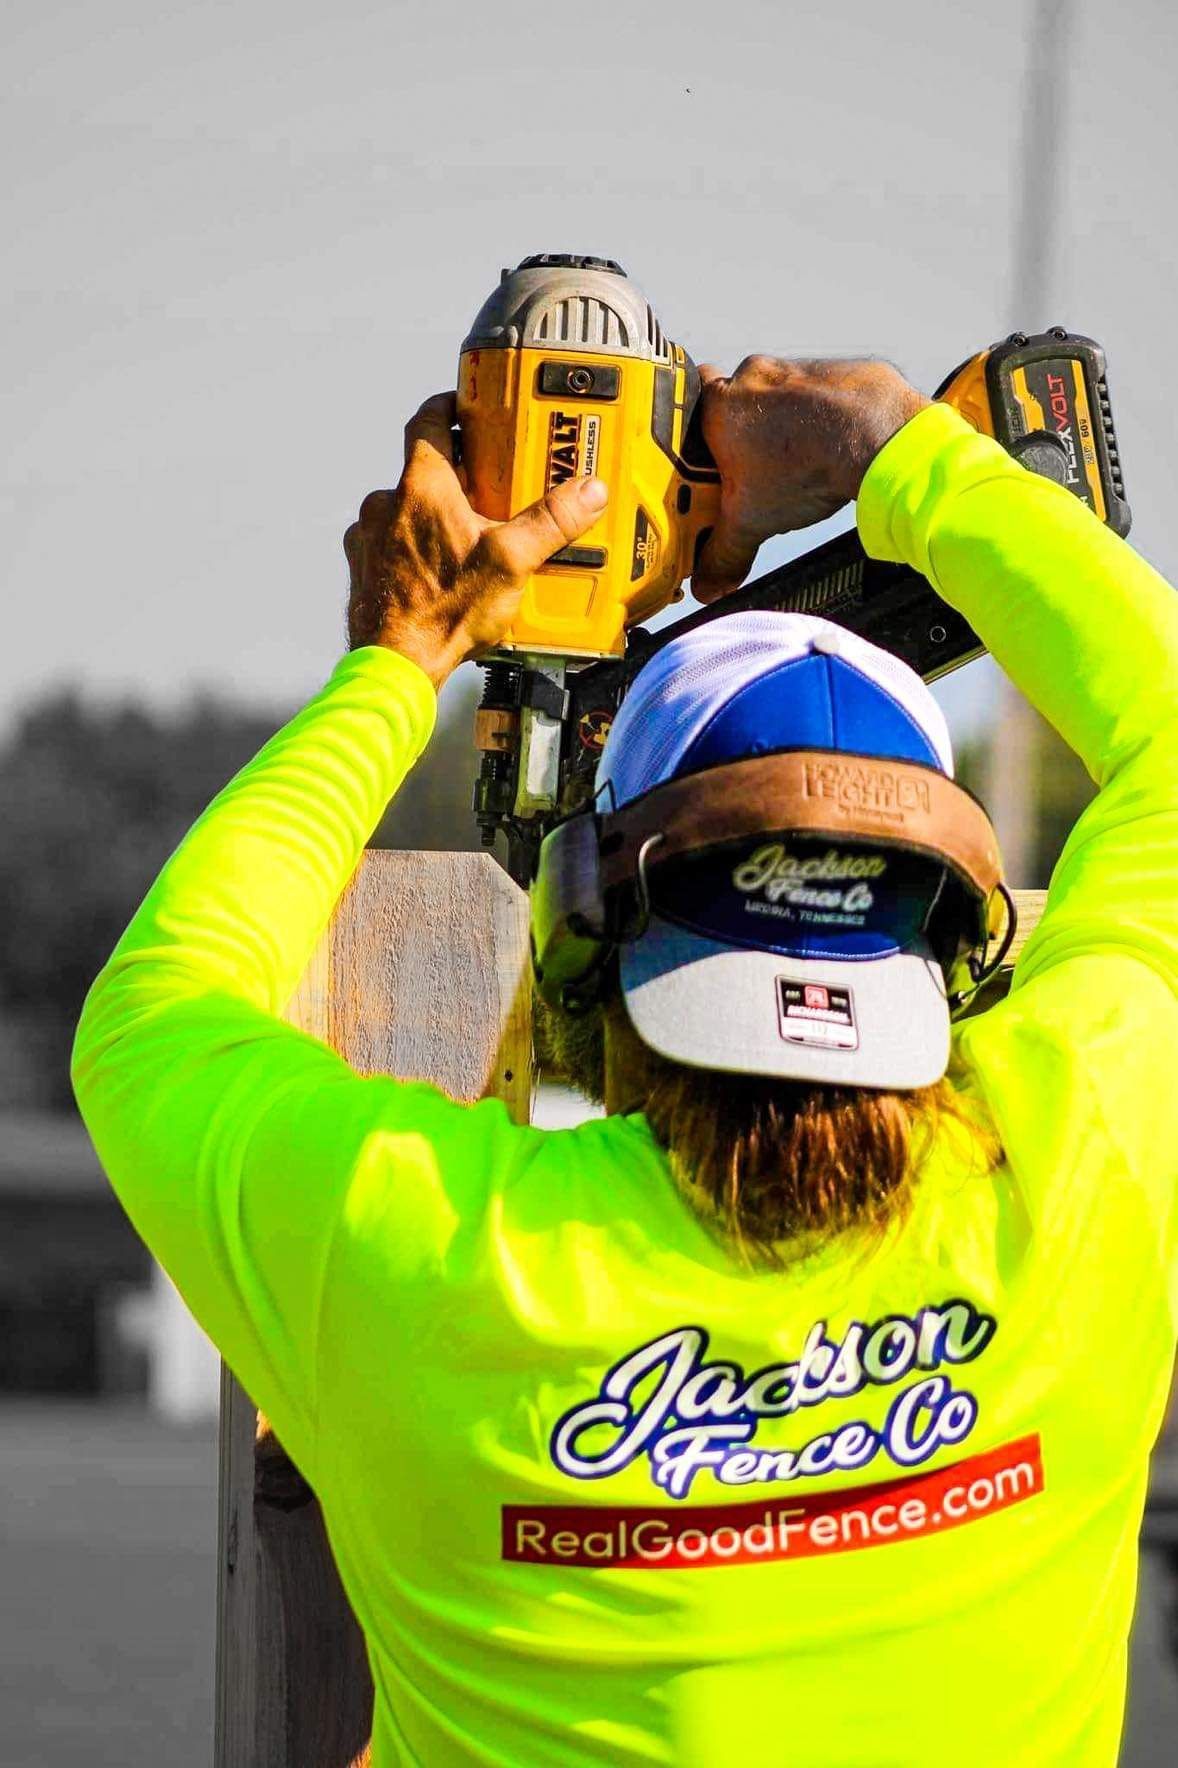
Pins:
<point x="918" y="1543"/>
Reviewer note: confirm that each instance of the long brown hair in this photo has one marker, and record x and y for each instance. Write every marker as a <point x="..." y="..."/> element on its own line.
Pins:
<point x="771" y="1163"/>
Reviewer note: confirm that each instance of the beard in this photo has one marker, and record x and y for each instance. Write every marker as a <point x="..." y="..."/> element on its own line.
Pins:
<point x="570" y="1047"/>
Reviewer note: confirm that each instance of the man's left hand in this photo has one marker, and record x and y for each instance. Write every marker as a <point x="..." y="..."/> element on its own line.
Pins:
<point x="433" y="579"/>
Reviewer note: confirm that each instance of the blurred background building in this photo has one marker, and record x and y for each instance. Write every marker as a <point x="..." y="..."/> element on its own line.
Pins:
<point x="244" y="243"/>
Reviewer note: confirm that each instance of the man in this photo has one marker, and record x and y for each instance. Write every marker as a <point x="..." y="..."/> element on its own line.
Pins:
<point x="798" y="1415"/>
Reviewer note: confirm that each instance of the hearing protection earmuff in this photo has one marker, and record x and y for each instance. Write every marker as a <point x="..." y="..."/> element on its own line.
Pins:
<point x="597" y="871"/>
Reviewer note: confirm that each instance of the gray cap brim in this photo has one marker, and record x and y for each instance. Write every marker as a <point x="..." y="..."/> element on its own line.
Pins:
<point x="884" y="1023"/>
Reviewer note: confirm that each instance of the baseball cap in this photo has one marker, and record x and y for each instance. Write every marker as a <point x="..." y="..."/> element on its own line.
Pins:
<point x="793" y="956"/>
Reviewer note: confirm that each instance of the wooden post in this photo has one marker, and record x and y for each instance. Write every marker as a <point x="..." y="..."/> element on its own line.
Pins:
<point x="1030" y="905"/>
<point x="423" y="973"/>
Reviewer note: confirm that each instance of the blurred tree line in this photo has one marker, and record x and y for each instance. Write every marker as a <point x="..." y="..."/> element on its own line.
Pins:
<point x="93" y="799"/>
<point x="1060" y="789"/>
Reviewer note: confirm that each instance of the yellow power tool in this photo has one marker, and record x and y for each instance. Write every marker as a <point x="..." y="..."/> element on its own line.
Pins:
<point x="567" y="371"/>
<point x="1046" y="400"/>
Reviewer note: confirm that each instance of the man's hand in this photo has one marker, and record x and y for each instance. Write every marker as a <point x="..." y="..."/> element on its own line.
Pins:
<point x="433" y="579"/>
<point x="792" y="441"/>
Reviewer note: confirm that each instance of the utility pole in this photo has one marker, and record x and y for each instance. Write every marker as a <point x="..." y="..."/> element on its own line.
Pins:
<point x="1012" y="773"/>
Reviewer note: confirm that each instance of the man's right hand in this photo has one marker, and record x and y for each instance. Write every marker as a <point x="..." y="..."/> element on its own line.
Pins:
<point x="433" y="579"/>
<point x="792" y="441"/>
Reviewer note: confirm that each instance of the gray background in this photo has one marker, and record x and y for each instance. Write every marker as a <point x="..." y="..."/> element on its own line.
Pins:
<point x="245" y="240"/>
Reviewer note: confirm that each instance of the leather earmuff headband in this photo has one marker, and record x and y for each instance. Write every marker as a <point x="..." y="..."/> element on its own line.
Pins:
<point x="814" y="792"/>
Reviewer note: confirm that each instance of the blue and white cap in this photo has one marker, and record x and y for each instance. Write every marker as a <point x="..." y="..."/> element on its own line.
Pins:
<point x="794" y="956"/>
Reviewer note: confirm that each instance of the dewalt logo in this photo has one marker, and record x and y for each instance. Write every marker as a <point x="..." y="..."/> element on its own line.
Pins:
<point x="564" y="435"/>
<point x="572" y="447"/>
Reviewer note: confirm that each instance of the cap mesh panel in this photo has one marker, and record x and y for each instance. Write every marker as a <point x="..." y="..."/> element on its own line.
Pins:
<point x="687" y="683"/>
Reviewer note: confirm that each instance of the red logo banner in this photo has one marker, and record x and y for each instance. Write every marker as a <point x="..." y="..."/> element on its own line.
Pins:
<point x="675" y="1538"/>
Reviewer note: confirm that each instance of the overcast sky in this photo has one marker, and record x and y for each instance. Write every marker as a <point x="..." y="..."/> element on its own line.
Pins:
<point x="245" y="240"/>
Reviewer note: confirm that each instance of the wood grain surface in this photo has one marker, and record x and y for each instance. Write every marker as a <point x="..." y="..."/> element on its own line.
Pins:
<point x="422" y="973"/>
<point x="1029" y="904"/>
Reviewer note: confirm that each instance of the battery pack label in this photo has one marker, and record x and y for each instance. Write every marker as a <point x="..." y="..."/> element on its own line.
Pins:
<point x="574" y="440"/>
<point x="1054" y="398"/>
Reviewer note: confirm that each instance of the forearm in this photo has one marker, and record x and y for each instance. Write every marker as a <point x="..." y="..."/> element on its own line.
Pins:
<point x="239" y="907"/>
<point x="229" y="1136"/>
<point x="1088" y="631"/>
<point x="1074" y="616"/>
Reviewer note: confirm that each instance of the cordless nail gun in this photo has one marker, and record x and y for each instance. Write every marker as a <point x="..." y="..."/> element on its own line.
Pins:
<point x="566" y="371"/>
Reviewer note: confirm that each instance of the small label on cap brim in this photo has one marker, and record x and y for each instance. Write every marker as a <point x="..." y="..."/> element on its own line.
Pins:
<point x="816" y="1014"/>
